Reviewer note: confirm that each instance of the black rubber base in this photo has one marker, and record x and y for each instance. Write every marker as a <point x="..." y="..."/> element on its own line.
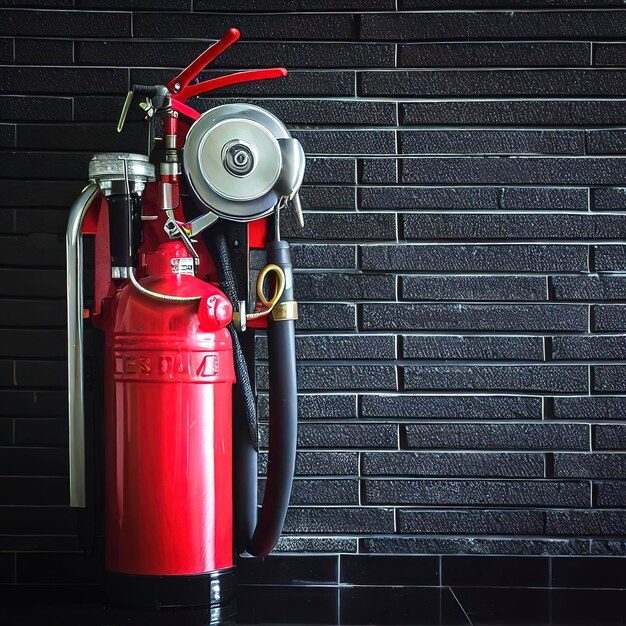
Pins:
<point x="197" y="590"/>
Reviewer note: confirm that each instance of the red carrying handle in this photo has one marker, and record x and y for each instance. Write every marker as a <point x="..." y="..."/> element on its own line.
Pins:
<point x="195" y="67"/>
<point x="181" y="90"/>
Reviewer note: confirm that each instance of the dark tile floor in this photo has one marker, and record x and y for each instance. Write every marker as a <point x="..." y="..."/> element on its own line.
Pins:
<point x="275" y="604"/>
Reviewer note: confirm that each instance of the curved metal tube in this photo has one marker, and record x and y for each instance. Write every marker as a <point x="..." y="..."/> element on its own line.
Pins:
<point x="75" y="385"/>
<point x="158" y="296"/>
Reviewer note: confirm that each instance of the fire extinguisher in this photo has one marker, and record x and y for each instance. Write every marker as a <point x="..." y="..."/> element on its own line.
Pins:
<point x="169" y="303"/>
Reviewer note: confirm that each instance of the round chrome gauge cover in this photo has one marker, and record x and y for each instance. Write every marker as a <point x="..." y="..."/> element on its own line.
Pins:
<point x="232" y="160"/>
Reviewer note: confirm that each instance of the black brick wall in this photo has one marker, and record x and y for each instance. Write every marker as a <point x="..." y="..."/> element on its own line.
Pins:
<point x="462" y="274"/>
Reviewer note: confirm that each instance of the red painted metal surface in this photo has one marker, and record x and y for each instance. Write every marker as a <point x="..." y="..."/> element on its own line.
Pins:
<point x="168" y="433"/>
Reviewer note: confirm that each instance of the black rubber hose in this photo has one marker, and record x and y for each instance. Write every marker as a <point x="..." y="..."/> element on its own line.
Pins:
<point x="229" y="287"/>
<point x="283" y="416"/>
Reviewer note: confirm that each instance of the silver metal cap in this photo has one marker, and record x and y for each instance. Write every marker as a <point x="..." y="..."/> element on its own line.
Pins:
<point x="107" y="167"/>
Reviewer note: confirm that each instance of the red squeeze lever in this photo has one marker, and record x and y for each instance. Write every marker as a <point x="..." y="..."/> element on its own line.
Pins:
<point x="179" y="86"/>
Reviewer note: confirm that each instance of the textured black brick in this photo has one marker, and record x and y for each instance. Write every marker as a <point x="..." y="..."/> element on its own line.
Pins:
<point x="141" y="5"/>
<point x="596" y="465"/>
<point x="590" y="407"/>
<point x="609" y="54"/>
<point x="382" y="171"/>
<point x="511" y="54"/>
<point x="298" y="83"/>
<point x="340" y="377"/>
<point x="7" y="136"/>
<point x="346" y="141"/>
<point x="32" y="404"/>
<point x="483" y="522"/>
<point x="304" y="111"/>
<point x="7" y="373"/>
<point x="607" y="199"/>
<point x="589" y="287"/>
<point x="321" y="463"/>
<point x="345" y="287"/>
<point x="589" y="347"/>
<point x="472" y="545"/>
<point x="316" y="544"/>
<point x="494" y="25"/>
<point x="609" y="377"/>
<point x="43" y="431"/>
<point x="327" y="491"/>
<point x="378" y="198"/>
<point x="451" y="407"/>
<point x="6" y="432"/>
<point x="529" y="170"/>
<point x="544" y="198"/>
<point x="313" y="256"/>
<point x="65" y="23"/>
<point x="327" y="171"/>
<point x="610" y="258"/>
<point x="610" y="494"/>
<point x="44" y="51"/>
<point x="467" y="227"/>
<point x="18" y="108"/>
<point x="40" y="220"/>
<point x="32" y="313"/>
<point x="610" y="437"/>
<point x="339" y="520"/>
<point x="32" y="282"/>
<point x="18" y="193"/>
<point x="57" y="568"/>
<point x="23" y="164"/>
<point x="313" y="435"/>
<point x="76" y="136"/>
<point x="33" y="520"/>
<point x="498" y="436"/>
<point x="585" y="522"/>
<point x="26" y="490"/>
<point x="32" y="343"/>
<point x="316" y="406"/>
<point x="452" y="464"/>
<point x="477" y="493"/>
<point x="318" y="197"/>
<point x="260" y="26"/>
<point x="22" y="461"/>
<point x="515" y="112"/>
<point x="443" y="83"/>
<point x="507" y="317"/>
<point x="6" y="51"/>
<point x="350" y="227"/>
<point x="243" y="55"/>
<point x="7" y="567"/>
<point x="610" y="317"/>
<point x="491" y="142"/>
<point x="63" y="80"/>
<point x="487" y="288"/>
<point x="40" y="373"/>
<point x="303" y="5"/>
<point x="326" y="316"/>
<point x="481" y="259"/>
<point x="607" y="547"/>
<point x="473" y="348"/>
<point x="608" y="141"/>
<point x="331" y="347"/>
